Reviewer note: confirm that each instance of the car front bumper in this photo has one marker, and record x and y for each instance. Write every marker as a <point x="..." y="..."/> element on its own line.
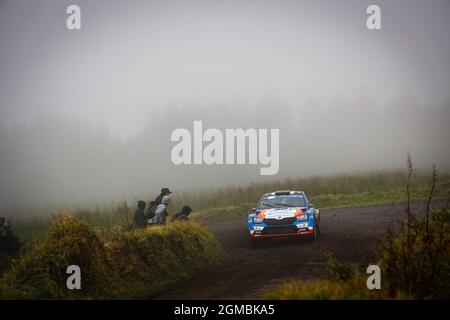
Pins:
<point x="280" y="231"/>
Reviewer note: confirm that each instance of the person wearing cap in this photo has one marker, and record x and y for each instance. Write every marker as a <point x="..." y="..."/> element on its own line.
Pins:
<point x="164" y="192"/>
<point x="161" y="211"/>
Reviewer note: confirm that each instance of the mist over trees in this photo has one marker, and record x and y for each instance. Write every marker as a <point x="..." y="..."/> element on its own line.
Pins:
<point x="87" y="115"/>
<point x="56" y="158"/>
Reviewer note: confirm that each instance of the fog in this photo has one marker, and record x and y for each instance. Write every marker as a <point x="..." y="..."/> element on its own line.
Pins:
<point x="87" y="115"/>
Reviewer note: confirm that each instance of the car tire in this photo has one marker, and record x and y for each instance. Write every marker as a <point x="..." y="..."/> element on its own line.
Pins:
<point x="313" y="237"/>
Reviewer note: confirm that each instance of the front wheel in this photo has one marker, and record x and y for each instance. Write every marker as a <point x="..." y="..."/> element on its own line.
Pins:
<point x="315" y="235"/>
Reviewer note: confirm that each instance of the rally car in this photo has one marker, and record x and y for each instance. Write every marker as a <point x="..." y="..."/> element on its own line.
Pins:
<point x="284" y="213"/>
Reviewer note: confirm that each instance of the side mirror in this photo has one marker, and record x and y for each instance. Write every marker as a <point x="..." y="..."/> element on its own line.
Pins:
<point x="252" y="210"/>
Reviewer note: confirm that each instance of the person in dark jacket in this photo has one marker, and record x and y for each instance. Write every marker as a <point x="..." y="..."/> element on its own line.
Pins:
<point x="9" y="243"/>
<point x="164" y="192"/>
<point x="183" y="214"/>
<point x="140" y="221"/>
<point x="3" y="225"/>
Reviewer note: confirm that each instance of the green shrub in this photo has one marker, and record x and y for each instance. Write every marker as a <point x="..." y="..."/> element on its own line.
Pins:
<point x="417" y="261"/>
<point x="41" y="273"/>
<point x="134" y="264"/>
<point x="337" y="270"/>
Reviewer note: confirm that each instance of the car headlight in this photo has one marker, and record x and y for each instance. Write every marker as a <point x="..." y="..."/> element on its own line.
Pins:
<point x="302" y="217"/>
<point x="257" y="220"/>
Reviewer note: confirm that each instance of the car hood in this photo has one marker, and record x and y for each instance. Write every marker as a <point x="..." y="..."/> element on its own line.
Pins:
<point x="279" y="213"/>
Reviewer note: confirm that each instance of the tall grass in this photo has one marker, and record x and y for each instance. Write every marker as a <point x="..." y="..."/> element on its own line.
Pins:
<point x="341" y="190"/>
<point x="417" y="261"/>
<point x="340" y="184"/>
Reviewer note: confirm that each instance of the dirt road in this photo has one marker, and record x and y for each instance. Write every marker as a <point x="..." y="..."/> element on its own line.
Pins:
<point x="351" y="234"/>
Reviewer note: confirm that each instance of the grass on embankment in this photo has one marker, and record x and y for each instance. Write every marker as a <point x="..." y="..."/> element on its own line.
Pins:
<point x="134" y="264"/>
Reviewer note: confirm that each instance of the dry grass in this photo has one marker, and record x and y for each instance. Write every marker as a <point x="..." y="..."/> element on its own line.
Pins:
<point x="134" y="264"/>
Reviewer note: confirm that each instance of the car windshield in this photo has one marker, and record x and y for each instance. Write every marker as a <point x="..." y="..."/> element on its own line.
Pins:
<point x="282" y="201"/>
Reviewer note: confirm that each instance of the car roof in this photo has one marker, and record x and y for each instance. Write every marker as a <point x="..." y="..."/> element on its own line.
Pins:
<point x="282" y="192"/>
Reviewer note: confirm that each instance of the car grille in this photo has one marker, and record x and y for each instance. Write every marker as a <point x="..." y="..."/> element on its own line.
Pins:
<point x="280" y="230"/>
<point x="275" y="222"/>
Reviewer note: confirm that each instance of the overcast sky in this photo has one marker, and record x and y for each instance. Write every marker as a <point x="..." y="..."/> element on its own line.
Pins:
<point x="133" y="57"/>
